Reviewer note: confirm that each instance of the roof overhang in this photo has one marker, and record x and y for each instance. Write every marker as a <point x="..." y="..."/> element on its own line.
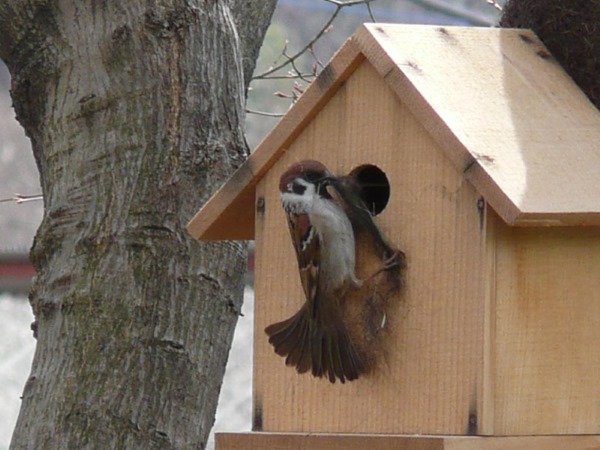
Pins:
<point x="495" y="100"/>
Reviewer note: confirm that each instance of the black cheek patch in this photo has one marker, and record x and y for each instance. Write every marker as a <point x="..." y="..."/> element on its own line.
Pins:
<point x="298" y="188"/>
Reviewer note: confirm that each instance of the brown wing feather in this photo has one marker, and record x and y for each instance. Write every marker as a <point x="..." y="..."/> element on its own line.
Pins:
<point x="315" y="338"/>
<point x="308" y="246"/>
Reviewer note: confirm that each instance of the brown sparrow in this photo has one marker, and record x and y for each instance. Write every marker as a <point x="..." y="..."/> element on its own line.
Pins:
<point x="316" y="338"/>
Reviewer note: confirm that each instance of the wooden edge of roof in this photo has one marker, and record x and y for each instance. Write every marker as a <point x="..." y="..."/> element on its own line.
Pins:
<point x="375" y="50"/>
<point x="372" y="41"/>
<point x="229" y="213"/>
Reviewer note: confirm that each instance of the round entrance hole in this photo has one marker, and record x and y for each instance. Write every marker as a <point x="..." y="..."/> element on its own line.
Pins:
<point x="375" y="187"/>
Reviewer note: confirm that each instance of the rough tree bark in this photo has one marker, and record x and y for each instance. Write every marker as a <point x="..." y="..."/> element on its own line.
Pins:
<point x="134" y="110"/>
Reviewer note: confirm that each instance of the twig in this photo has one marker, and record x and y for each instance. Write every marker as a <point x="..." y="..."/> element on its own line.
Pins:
<point x="264" y="113"/>
<point x="339" y="5"/>
<point x="290" y="59"/>
<point x="317" y="62"/>
<point x="494" y="4"/>
<point x="370" y="12"/>
<point x="289" y="76"/>
<point x="299" y="72"/>
<point x="19" y="198"/>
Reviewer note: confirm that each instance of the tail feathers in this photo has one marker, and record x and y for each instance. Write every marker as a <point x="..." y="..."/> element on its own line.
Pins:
<point x="325" y="349"/>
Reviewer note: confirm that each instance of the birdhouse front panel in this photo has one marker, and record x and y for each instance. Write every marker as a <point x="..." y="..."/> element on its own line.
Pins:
<point x="543" y="353"/>
<point x="461" y="133"/>
<point x="428" y="373"/>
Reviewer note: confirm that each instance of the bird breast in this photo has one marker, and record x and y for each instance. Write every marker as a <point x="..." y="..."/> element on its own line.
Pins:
<point x="338" y="255"/>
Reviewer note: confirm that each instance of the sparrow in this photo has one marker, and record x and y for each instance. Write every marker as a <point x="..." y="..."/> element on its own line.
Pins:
<point x="320" y="210"/>
<point x="348" y="192"/>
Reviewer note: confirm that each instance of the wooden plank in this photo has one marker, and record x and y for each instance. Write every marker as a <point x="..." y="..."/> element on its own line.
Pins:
<point x="506" y="114"/>
<point x="430" y="377"/>
<point x="523" y="443"/>
<point x="487" y="395"/>
<point x="280" y="441"/>
<point x="229" y="214"/>
<point x="546" y="317"/>
<point x="504" y="111"/>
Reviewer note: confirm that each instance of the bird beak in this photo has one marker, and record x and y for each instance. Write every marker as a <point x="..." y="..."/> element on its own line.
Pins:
<point x="327" y="179"/>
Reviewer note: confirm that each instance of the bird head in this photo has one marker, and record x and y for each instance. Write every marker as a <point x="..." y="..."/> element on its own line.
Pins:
<point x="305" y="178"/>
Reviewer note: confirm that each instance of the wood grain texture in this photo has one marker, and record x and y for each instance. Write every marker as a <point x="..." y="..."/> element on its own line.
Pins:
<point x="430" y="376"/>
<point x="497" y="328"/>
<point x="505" y="112"/>
<point x="134" y="110"/>
<point x="229" y="214"/>
<point x="280" y="441"/>
<point x="546" y="317"/>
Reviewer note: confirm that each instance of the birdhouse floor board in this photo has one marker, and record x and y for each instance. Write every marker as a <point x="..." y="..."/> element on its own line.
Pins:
<point x="280" y="441"/>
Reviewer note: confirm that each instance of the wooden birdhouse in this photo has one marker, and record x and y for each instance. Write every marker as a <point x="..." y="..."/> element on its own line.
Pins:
<point x="485" y="161"/>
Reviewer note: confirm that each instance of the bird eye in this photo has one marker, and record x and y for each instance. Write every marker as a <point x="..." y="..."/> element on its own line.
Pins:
<point x="296" y="187"/>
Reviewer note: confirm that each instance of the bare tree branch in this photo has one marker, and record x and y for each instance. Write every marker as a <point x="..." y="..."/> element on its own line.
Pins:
<point x="494" y="4"/>
<point x="370" y="12"/>
<point x="20" y="198"/>
<point x="291" y="61"/>
<point x="264" y="113"/>
<point x="341" y="4"/>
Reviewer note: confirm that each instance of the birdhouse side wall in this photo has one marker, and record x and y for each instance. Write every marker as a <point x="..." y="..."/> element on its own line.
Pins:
<point x="429" y="378"/>
<point x="546" y="326"/>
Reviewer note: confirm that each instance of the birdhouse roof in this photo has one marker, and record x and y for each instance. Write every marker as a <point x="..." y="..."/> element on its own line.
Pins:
<point x="495" y="100"/>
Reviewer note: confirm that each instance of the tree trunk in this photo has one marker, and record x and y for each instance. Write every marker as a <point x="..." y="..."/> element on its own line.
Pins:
<point x="571" y="31"/>
<point x="134" y="110"/>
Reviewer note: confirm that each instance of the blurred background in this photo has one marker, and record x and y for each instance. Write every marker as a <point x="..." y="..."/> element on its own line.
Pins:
<point x="267" y="100"/>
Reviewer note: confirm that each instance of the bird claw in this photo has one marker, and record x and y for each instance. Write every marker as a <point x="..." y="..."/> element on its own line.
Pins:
<point x="395" y="260"/>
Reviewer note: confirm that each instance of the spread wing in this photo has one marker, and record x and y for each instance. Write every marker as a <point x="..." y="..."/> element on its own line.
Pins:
<point x="316" y="338"/>
<point x="347" y="193"/>
<point x="308" y="247"/>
